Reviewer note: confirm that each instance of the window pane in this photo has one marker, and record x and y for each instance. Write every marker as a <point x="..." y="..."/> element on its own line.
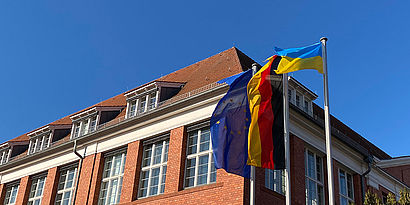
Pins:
<point x="342" y="182"/>
<point x="203" y="170"/>
<point x="204" y="146"/>
<point x="164" y="171"/>
<point x="318" y="168"/>
<point x="147" y="156"/>
<point x="107" y="167"/>
<point x="349" y="186"/>
<point x="311" y="165"/>
<point x="166" y="151"/>
<point x="157" y="153"/>
<point x="154" y="182"/>
<point x="144" y="183"/>
<point x="190" y="172"/>
<point x="213" y="170"/>
<point x="192" y="142"/>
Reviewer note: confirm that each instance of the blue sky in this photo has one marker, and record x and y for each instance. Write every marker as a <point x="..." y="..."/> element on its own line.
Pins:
<point x="57" y="57"/>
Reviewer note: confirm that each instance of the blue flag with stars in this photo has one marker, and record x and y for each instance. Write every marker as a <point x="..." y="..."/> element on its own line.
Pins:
<point x="230" y="125"/>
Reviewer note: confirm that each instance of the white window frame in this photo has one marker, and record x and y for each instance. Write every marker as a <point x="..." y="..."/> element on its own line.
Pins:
<point x="348" y="199"/>
<point x="11" y="189"/>
<point x="151" y="166"/>
<point x="83" y="126"/>
<point x="318" y="182"/>
<point x="5" y="155"/>
<point x="39" y="143"/>
<point x="34" y="198"/>
<point x="66" y="189"/>
<point x="112" y="177"/>
<point x="275" y="180"/>
<point x="197" y="155"/>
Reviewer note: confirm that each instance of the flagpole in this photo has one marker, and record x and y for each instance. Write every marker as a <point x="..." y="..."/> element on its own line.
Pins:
<point x="327" y="125"/>
<point x="252" y="179"/>
<point x="286" y="136"/>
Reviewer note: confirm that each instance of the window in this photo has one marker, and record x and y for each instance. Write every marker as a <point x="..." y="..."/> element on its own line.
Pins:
<point x="314" y="179"/>
<point x="275" y="180"/>
<point x="36" y="191"/>
<point x="298" y="100"/>
<point x="346" y="188"/>
<point x="112" y="178"/>
<point x="93" y="124"/>
<point x="306" y="106"/>
<point x="39" y="143"/>
<point x="290" y="95"/>
<point x="66" y="186"/>
<point x="133" y="108"/>
<point x="76" y="132"/>
<point x="152" y="101"/>
<point x="85" y="126"/>
<point x="200" y="168"/>
<point x="11" y="193"/>
<point x="154" y="168"/>
<point x="142" y="106"/>
<point x="5" y="155"/>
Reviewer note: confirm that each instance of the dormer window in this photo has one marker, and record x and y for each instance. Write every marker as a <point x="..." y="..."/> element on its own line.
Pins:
<point x="88" y="121"/>
<point x="300" y="96"/>
<point x="147" y="98"/>
<point x="5" y="155"/>
<point x="84" y="123"/>
<point x="39" y="142"/>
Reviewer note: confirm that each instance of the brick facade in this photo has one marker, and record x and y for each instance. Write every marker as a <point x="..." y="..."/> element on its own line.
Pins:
<point x="400" y="172"/>
<point x="24" y="189"/>
<point x="228" y="189"/>
<point x="50" y="187"/>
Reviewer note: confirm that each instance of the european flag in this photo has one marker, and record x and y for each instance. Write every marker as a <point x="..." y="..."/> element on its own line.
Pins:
<point x="230" y="126"/>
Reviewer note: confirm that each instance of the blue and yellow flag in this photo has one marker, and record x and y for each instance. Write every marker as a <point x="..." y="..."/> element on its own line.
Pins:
<point x="294" y="59"/>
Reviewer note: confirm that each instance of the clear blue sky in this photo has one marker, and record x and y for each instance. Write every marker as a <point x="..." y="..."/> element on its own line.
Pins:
<point x="57" y="57"/>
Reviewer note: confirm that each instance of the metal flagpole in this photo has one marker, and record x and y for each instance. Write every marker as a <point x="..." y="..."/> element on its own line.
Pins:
<point x="327" y="125"/>
<point x="252" y="180"/>
<point x="286" y="136"/>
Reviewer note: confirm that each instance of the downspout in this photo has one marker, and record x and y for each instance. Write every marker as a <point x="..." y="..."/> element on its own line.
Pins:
<point x="78" y="170"/>
<point x="369" y="161"/>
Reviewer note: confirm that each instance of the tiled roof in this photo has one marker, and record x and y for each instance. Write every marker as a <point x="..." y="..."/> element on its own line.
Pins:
<point x="205" y="72"/>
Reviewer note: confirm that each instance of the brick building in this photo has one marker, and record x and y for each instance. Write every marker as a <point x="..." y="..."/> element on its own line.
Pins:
<point x="151" y="145"/>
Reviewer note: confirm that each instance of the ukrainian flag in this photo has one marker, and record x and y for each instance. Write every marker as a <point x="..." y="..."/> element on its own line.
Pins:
<point x="294" y="59"/>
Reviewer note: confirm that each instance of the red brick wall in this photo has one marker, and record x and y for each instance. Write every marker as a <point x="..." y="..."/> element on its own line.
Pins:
<point x="2" y="193"/>
<point x="297" y="170"/>
<point x="132" y="172"/>
<point x="96" y="179"/>
<point x="400" y="172"/>
<point x="24" y="189"/>
<point x="84" y="181"/>
<point x="176" y="160"/>
<point x="50" y="187"/>
<point x="358" y="199"/>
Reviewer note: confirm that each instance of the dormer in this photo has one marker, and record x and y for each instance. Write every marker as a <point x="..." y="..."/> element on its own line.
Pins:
<point x="88" y="121"/>
<point x="11" y="149"/>
<point x="301" y="96"/>
<point x="42" y="138"/>
<point x="148" y="97"/>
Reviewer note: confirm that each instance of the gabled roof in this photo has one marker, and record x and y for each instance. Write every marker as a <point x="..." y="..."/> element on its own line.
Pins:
<point x="212" y="69"/>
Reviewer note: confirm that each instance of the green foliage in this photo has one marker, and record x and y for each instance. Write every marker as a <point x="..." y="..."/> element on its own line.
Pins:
<point x="391" y="199"/>
<point x="404" y="197"/>
<point x="372" y="199"/>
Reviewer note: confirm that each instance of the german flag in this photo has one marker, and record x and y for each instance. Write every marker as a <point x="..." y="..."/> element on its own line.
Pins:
<point x="266" y="136"/>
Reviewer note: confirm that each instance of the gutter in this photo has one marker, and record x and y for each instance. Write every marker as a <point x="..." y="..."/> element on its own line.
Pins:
<point x="369" y="161"/>
<point x="78" y="170"/>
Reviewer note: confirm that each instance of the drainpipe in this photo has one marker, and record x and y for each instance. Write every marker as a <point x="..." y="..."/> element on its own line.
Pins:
<point x="369" y="161"/>
<point x="78" y="170"/>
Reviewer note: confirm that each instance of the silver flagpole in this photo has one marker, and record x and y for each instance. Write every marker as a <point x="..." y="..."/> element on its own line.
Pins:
<point x="286" y="136"/>
<point x="327" y="125"/>
<point x="252" y="180"/>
